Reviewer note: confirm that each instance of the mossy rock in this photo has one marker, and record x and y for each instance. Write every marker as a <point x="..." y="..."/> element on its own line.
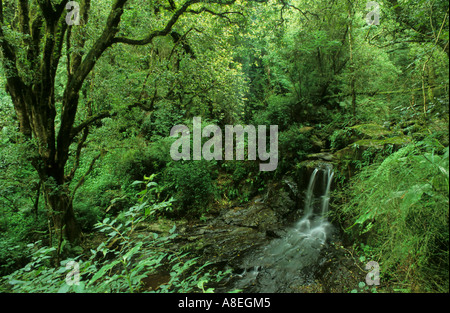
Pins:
<point x="354" y="150"/>
<point x="305" y="129"/>
<point x="372" y="131"/>
<point x="309" y="165"/>
<point x="345" y="158"/>
<point x="344" y="137"/>
<point x="397" y="141"/>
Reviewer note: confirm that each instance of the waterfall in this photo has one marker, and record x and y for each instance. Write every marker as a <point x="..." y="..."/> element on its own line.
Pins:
<point x="326" y="196"/>
<point x="287" y="261"/>
<point x="315" y="215"/>
<point x="309" y="193"/>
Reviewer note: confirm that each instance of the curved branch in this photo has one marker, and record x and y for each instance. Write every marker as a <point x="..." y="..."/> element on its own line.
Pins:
<point x="76" y="130"/>
<point x="158" y="33"/>
<point x="220" y="14"/>
<point x="89" y="170"/>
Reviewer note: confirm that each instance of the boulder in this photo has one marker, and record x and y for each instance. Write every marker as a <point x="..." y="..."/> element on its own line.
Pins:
<point x="324" y="156"/>
<point x="372" y="131"/>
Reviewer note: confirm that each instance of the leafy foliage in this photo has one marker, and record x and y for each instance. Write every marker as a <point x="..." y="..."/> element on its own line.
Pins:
<point x="193" y="185"/>
<point x="401" y="204"/>
<point x="314" y="68"/>
<point x="121" y="263"/>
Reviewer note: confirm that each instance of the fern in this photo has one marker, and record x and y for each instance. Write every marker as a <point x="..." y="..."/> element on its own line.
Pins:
<point x="401" y="205"/>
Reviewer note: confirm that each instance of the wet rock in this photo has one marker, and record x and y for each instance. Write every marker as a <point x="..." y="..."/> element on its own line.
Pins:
<point x="338" y="271"/>
<point x="325" y="156"/>
<point x="238" y="229"/>
<point x="283" y="198"/>
<point x="232" y="233"/>
<point x="303" y="171"/>
<point x="273" y="234"/>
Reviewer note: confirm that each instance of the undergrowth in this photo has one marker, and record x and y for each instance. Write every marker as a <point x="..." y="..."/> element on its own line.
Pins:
<point x="120" y="263"/>
<point x="399" y="208"/>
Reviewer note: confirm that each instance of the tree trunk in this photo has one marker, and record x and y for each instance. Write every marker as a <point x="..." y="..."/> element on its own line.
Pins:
<point x="57" y="195"/>
<point x="59" y="204"/>
<point x="37" y="117"/>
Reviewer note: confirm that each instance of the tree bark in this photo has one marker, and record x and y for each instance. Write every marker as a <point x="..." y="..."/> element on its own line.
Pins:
<point x="61" y="212"/>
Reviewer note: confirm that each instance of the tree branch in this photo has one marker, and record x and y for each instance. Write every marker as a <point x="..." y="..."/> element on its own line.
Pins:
<point x="47" y="9"/>
<point x="83" y="178"/>
<point x="80" y="146"/>
<point x="167" y="29"/>
<point x="73" y="87"/>
<point x="220" y="14"/>
<point x="100" y="45"/>
<point x="285" y="4"/>
<point x="76" y="130"/>
<point x="24" y="23"/>
<point x="14" y="83"/>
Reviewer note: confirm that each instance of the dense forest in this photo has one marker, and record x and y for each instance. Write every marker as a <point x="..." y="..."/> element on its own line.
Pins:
<point x="92" y="198"/>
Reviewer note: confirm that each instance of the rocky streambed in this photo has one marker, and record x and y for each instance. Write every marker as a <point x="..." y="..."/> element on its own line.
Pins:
<point x="273" y="245"/>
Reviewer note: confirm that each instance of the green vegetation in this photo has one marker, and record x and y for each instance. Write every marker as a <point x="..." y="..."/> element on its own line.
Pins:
<point x="400" y="206"/>
<point x="86" y="112"/>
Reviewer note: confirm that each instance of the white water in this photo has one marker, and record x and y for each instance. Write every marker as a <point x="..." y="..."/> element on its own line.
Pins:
<point x="289" y="261"/>
<point x="314" y="223"/>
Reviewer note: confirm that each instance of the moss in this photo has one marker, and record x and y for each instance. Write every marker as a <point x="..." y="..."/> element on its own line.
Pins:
<point x="398" y="140"/>
<point x="372" y="130"/>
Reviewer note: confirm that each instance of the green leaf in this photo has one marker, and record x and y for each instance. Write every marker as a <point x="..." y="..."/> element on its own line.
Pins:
<point x="132" y="251"/>
<point x="102" y="271"/>
<point x="64" y="288"/>
<point x="413" y="196"/>
<point x="142" y="192"/>
<point x="201" y="283"/>
<point x="80" y="288"/>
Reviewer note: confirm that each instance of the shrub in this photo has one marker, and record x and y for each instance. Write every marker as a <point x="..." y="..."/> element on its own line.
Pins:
<point x="278" y="112"/>
<point x="294" y="146"/>
<point x="133" y="164"/>
<point x="94" y="197"/>
<point x="193" y="184"/>
<point x="342" y="138"/>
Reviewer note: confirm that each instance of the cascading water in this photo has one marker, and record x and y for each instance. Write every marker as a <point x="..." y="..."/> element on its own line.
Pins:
<point x="288" y="262"/>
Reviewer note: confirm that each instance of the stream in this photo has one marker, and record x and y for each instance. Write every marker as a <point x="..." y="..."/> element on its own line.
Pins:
<point x="291" y="261"/>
